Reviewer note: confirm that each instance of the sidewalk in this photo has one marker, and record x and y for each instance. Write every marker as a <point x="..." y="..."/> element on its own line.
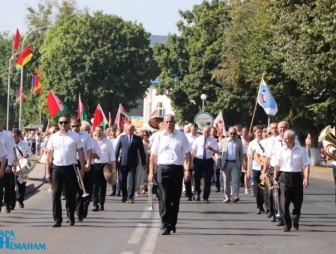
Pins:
<point x="36" y="178"/>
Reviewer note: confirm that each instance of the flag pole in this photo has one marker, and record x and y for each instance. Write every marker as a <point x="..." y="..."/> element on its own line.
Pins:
<point x="255" y="106"/>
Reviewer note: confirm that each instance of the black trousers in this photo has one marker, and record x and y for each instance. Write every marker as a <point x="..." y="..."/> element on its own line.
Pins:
<point x="99" y="184"/>
<point x="7" y="183"/>
<point x="259" y="193"/>
<point x="21" y="190"/>
<point x="203" y="168"/>
<point x="63" y="175"/>
<point x="169" y="179"/>
<point x="127" y="174"/>
<point x="88" y="180"/>
<point x="291" y="190"/>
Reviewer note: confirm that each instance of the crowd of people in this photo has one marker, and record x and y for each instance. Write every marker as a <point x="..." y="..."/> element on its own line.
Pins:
<point x="269" y="163"/>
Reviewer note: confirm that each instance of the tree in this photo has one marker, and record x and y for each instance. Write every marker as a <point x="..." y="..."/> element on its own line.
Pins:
<point x="187" y="61"/>
<point x="101" y="56"/>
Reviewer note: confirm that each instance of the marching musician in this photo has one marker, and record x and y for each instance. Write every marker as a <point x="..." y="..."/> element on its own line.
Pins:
<point x="8" y="180"/>
<point x="22" y="150"/>
<point x="63" y="147"/>
<point x="81" y="204"/>
<point x="107" y="157"/>
<point x="293" y="162"/>
<point x="254" y="165"/>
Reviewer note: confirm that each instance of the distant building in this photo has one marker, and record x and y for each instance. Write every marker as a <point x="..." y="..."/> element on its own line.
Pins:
<point x="152" y="105"/>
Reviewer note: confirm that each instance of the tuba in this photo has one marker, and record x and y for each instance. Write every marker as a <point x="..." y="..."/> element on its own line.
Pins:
<point x="328" y="140"/>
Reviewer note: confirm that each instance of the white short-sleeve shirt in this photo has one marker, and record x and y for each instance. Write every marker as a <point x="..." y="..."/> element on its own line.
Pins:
<point x="170" y="148"/>
<point x="292" y="160"/>
<point x="198" y="146"/>
<point x="64" y="147"/>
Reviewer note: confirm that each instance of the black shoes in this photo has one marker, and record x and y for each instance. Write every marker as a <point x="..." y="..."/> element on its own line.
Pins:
<point x="101" y="207"/>
<point x="296" y="223"/>
<point x="21" y="205"/>
<point x="235" y="200"/>
<point x="57" y="224"/>
<point x="165" y="231"/>
<point x="189" y="198"/>
<point x="8" y="209"/>
<point x="96" y="209"/>
<point x="173" y="229"/>
<point x="206" y="201"/>
<point x="281" y="223"/>
<point x="71" y="221"/>
<point x="260" y="210"/>
<point x="286" y="229"/>
<point x="113" y="193"/>
<point x="118" y="194"/>
<point x="124" y="200"/>
<point x="273" y="218"/>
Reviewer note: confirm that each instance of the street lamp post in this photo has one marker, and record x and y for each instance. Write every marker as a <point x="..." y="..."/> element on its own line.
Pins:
<point x="21" y="80"/>
<point x="203" y="98"/>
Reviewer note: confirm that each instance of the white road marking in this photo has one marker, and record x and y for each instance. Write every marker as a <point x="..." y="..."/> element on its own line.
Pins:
<point x="150" y="241"/>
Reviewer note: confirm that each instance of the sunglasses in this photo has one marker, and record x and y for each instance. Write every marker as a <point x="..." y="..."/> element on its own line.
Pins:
<point x="75" y="126"/>
<point x="63" y="122"/>
<point x="232" y="133"/>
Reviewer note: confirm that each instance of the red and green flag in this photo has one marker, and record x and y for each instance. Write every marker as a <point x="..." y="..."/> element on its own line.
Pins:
<point x="99" y="118"/>
<point x="55" y="106"/>
<point x="36" y="84"/>
<point x="16" y="39"/>
<point x="82" y="115"/>
<point x="24" y="57"/>
<point x="121" y="118"/>
<point x="110" y="119"/>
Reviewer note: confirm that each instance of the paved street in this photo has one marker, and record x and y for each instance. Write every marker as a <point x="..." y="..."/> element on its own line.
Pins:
<point x="202" y="228"/>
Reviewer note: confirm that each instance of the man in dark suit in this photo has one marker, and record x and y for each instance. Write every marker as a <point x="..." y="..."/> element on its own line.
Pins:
<point x="131" y="146"/>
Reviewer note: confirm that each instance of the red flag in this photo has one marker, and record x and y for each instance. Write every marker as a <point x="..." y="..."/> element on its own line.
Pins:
<point x="16" y="39"/>
<point x="120" y="119"/>
<point x="81" y="111"/>
<point x="153" y="113"/>
<point x="24" y="57"/>
<point x="18" y="97"/>
<point x="55" y="106"/>
<point x="99" y="118"/>
<point x="37" y="85"/>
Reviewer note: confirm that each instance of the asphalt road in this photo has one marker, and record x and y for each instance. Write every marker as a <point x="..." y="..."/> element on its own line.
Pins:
<point x="202" y="228"/>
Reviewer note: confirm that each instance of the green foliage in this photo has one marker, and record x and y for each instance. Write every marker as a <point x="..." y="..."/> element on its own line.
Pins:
<point x="101" y="56"/>
<point x="224" y="49"/>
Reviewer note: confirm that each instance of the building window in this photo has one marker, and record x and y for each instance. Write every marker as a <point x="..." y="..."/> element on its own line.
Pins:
<point x="160" y="109"/>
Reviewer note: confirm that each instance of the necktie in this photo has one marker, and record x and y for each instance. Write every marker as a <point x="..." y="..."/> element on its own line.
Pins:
<point x="129" y="140"/>
<point x="204" y="149"/>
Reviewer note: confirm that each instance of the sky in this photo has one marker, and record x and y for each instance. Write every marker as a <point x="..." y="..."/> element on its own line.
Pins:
<point x="158" y="17"/>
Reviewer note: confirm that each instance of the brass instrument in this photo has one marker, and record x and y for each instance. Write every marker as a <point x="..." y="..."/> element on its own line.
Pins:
<point x="329" y="141"/>
<point x="150" y="195"/>
<point x="276" y="199"/>
<point x="80" y="182"/>
<point x="18" y="170"/>
<point x="265" y="183"/>
<point x="260" y="159"/>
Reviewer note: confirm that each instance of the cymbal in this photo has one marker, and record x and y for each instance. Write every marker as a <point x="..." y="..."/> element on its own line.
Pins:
<point x="155" y="122"/>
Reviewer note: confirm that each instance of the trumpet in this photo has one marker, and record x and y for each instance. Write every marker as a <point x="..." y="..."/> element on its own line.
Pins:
<point x="80" y="182"/>
<point x="19" y="173"/>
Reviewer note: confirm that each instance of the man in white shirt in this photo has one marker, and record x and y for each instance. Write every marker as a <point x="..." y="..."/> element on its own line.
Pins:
<point x="107" y="157"/>
<point x="3" y="159"/>
<point x="191" y="138"/>
<point x="81" y="203"/>
<point x="255" y="166"/>
<point x="293" y="162"/>
<point x="6" y="138"/>
<point x="202" y="150"/>
<point x="22" y="150"/>
<point x="168" y="153"/>
<point x="63" y="147"/>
